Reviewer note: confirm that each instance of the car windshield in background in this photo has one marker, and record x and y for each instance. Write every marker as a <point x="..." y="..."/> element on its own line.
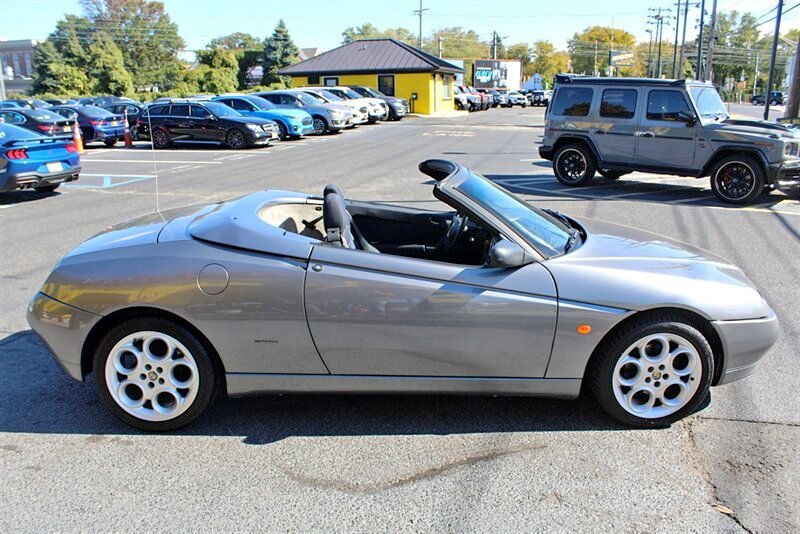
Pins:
<point x="94" y="111"/>
<point x="327" y="95"/>
<point x="261" y="103"/>
<point x="310" y="100"/>
<point x="351" y="93"/>
<point x="43" y="115"/>
<point x="221" y="110"/>
<point x="541" y="230"/>
<point x="708" y="102"/>
<point x="374" y="92"/>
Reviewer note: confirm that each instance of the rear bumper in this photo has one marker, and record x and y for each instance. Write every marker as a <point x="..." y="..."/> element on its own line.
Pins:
<point x="63" y="329"/>
<point x="546" y="152"/>
<point x="29" y="180"/>
<point x="744" y="343"/>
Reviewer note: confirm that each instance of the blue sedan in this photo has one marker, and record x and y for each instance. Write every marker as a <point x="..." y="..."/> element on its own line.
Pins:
<point x="29" y="160"/>
<point x="292" y="122"/>
<point x="97" y="124"/>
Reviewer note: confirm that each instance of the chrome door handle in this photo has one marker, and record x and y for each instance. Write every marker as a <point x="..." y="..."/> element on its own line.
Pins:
<point x="316" y="267"/>
<point x="645" y="134"/>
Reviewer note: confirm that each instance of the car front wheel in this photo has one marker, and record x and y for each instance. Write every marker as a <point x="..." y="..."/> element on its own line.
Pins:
<point x="154" y="374"/>
<point x="653" y="373"/>
<point x="320" y="126"/>
<point x="574" y="165"/>
<point x="236" y="139"/>
<point x="737" y="179"/>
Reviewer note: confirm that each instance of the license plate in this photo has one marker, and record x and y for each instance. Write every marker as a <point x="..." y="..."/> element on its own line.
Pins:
<point x="113" y="123"/>
<point x="54" y="166"/>
<point x="67" y="128"/>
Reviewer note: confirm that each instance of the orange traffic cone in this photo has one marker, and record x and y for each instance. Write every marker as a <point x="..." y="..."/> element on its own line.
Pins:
<point x="77" y="139"/>
<point x="128" y="140"/>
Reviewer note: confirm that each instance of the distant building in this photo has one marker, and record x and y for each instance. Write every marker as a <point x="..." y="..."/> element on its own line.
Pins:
<point x="393" y="67"/>
<point x="18" y="56"/>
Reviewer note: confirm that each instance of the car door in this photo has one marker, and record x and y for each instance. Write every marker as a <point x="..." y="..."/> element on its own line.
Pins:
<point x="615" y="127"/>
<point x="205" y="127"/>
<point x="664" y="137"/>
<point x="379" y="314"/>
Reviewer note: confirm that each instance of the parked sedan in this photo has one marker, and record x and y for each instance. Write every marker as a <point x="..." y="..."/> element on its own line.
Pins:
<point x="398" y="107"/>
<point x="29" y="160"/>
<point x="97" y="124"/>
<point x="39" y="120"/>
<point x="279" y="292"/>
<point x="377" y="108"/>
<point x="292" y="123"/>
<point x="191" y="121"/>
<point x="359" y="111"/>
<point x="326" y="118"/>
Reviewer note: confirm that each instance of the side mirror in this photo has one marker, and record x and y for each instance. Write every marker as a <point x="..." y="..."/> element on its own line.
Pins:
<point x="688" y="118"/>
<point x="505" y="253"/>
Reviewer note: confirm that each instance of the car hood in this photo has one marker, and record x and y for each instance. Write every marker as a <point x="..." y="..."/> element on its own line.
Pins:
<point x="295" y="114"/>
<point x="738" y="129"/>
<point x="249" y="120"/>
<point x="632" y="269"/>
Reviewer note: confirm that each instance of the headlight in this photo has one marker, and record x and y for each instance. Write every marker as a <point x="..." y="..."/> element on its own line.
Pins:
<point x="788" y="149"/>
<point x="254" y="127"/>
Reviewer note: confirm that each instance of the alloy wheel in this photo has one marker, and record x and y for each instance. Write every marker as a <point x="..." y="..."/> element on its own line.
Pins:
<point x="571" y="165"/>
<point x="735" y="180"/>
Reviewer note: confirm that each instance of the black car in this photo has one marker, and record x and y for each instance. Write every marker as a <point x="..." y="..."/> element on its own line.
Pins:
<point x="97" y="124"/>
<point x="777" y="98"/>
<point x="39" y="120"/>
<point x="131" y="110"/>
<point x="190" y="121"/>
<point x="61" y="102"/>
<point x="398" y="107"/>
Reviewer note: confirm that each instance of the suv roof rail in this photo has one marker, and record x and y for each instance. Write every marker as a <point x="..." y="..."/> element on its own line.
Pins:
<point x="581" y="79"/>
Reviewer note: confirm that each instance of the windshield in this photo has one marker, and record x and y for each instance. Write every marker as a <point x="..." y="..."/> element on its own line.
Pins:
<point x="374" y="92"/>
<point x="94" y="111"/>
<point x="330" y="97"/>
<point x="261" y="103"/>
<point x="708" y="102"/>
<point x="314" y="96"/>
<point x="351" y="93"/>
<point x="43" y="115"/>
<point x="221" y="110"/>
<point x="541" y="230"/>
<point x="309" y="100"/>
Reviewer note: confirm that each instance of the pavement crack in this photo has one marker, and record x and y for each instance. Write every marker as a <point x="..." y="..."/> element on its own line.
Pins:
<point x="752" y="421"/>
<point x="425" y="474"/>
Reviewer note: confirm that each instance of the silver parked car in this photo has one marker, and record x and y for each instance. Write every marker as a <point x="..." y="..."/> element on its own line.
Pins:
<point x="285" y="292"/>
<point x="327" y="118"/>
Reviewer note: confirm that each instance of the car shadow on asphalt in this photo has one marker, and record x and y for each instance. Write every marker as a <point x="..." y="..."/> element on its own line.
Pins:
<point x="26" y="195"/>
<point x="626" y="188"/>
<point x="38" y="398"/>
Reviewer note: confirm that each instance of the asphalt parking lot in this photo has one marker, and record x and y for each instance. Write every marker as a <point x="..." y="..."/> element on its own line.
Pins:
<point x="322" y="463"/>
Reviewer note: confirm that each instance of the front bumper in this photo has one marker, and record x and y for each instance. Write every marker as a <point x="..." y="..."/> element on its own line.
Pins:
<point x="29" y="180"/>
<point x="784" y="175"/>
<point x="63" y="329"/>
<point x="744" y="343"/>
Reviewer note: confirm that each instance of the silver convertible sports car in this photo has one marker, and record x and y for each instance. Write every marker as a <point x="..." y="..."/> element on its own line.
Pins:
<point x="279" y="292"/>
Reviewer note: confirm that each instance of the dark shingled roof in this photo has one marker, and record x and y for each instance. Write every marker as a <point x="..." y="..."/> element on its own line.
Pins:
<point x="369" y="56"/>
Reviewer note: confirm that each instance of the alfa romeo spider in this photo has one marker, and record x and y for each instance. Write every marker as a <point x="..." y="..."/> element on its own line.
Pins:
<point x="281" y="292"/>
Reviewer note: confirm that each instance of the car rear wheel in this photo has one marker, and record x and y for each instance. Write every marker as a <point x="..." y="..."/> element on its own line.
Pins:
<point x="110" y="143"/>
<point x="773" y="102"/>
<point x="737" y="179"/>
<point x="754" y="102"/>
<point x="320" y="126"/>
<point x="46" y="188"/>
<point x="236" y="139"/>
<point x="574" y="165"/>
<point x="154" y="374"/>
<point x="653" y="373"/>
<point x="160" y="139"/>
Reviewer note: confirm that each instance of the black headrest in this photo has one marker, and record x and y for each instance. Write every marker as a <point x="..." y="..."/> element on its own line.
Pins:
<point x="336" y="218"/>
<point x="333" y="188"/>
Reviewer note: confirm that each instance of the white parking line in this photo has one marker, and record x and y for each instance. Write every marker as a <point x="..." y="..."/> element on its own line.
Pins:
<point x="151" y="161"/>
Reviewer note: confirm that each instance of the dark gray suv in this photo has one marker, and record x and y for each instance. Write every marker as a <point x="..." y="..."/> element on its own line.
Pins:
<point x="615" y="126"/>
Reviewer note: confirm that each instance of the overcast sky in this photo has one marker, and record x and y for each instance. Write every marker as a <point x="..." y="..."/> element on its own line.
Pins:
<point x="319" y="23"/>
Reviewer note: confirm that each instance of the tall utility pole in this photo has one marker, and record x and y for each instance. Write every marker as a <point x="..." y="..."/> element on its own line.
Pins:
<point x="420" y="12"/>
<point x="683" y="39"/>
<point x="793" y="106"/>
<point x="768" y="94"/>
<point x="2" y="80"/>
<point x="659" y="16"/>
<point x="649" y="55"/>
<point x="594" y="71"/>
<point x="675" y="48"/>
<point x="712" y="34"/>
<point x="755" y="75"/>
<point x="494" y="45"/>
<point x="440" y="46"/>
<point x="700" y="42"/>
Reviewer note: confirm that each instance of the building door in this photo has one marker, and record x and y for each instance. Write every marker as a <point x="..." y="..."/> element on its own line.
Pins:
<point x="386" y="84"/>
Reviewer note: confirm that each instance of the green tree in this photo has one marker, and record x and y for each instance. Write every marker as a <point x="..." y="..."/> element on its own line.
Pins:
<point x="279" y="52"/>
<point x="547" y="60"/>
<point x="44" y="57"/>
<point x="236" y="41"/>
<point x="145" y="34"/>
<point x="595" y="42"/>
<point x="522" y="52"/>
<point x="368" y="31"/>
<point x="67" y="80"/>
<point x="222" y="72"/>
<point x="107" y="67"/>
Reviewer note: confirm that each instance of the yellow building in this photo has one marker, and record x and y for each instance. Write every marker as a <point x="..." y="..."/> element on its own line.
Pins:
<point x="390" y="66"/>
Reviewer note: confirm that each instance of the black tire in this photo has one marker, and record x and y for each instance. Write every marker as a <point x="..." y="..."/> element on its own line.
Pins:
<point x="754" y="102"/>
<point x="160" y="139"/>
<point x="46" y="188"/>
<point x="611" y="174"/>
<point x="602" y="369"/>
<point x="737" y="179"/>
<point x="283" y="133"/>
<point x="773" y="102"/>
<point x="574" y="165"/>
<point x="236" y="139"/>
<point x="111" y="143"/>
<point x="205" y="368"/>
<point x="320" y="125"/>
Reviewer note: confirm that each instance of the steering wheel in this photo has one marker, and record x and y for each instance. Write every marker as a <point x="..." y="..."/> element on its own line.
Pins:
<point x="457" y="225"/>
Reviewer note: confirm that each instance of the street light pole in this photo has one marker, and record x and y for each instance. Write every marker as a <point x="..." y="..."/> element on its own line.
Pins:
<point x="650" y="55"/>
<point x="770" y="79"/>
<point x="699" y="69"/>
<point x="683" y="39"/>
<point x="709" y="71"/>
<point x="675" y="48"/>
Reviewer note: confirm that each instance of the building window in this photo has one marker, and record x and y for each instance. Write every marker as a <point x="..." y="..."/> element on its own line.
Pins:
<point x="313" y="80"/>
<point x="447" y="87"/>
<point x="17" y="73"/>
<point x="386" y="84"/>
<point x="330" y="81"/>
<point x="28" y="66"/>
